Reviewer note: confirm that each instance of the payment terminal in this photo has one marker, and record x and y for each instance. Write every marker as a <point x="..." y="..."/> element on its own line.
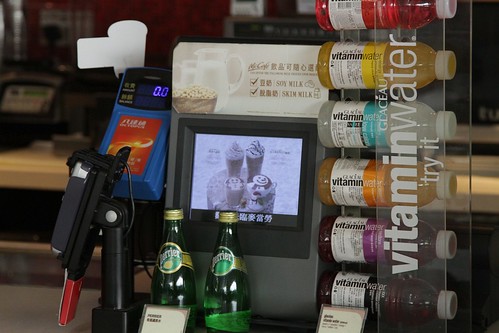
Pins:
<point x="141" y="120"/>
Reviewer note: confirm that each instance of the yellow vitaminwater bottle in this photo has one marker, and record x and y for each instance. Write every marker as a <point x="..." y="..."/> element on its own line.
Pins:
<point x="370" y="183"/>
<point x="374" y="65"/>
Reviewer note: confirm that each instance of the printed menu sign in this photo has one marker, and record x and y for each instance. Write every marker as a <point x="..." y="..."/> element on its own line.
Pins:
<point x="341" y="319"/>
<point x="160" y="318"/>
<point x="251" y="79"/>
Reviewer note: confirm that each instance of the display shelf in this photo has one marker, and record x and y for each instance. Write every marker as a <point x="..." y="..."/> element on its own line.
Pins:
<point x="404" y="218"/>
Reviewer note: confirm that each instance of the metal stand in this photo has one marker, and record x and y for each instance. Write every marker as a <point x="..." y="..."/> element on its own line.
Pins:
<point x="119" y="311"/>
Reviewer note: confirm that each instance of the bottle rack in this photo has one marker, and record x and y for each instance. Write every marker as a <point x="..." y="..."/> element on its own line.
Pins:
<point x="453" y="95"/>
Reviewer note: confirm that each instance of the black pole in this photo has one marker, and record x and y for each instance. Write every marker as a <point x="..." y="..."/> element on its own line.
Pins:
<point x="117" y="273"/>
<point x="119" y="311"/>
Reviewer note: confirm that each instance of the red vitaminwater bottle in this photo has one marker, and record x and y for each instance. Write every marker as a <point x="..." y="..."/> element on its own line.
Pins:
<point x="381" y="14"/>
<point x="360" y="239"/>
<point x="399" y="301"/>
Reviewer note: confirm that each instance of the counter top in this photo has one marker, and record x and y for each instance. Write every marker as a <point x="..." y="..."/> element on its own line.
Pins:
<point x="36" y="167"/>
<point x="35" y="309"/>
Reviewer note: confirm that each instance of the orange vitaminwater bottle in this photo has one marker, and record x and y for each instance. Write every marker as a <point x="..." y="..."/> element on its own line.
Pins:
<point x="398" y="301"/>
<point x="368" y="183"/>
<point x="373" y="65"/>
<point x="360" y="239"/>
<point x="381" y="14"/>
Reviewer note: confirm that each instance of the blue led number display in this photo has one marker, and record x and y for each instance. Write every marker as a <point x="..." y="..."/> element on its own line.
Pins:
<point x="151" y="96"/>
<point x="160" y="91"/>
<point x="152" y="90"/>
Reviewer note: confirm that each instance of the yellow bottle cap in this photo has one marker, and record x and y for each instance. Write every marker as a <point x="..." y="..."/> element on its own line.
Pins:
<point x="173" y="214"/>
<point x="228" y="217"/>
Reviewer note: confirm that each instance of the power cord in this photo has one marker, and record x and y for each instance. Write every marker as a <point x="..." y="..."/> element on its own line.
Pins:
<point x="132" y="202"/>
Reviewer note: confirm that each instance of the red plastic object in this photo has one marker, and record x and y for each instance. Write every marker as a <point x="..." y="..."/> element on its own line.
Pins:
<point x="69" y="300"/>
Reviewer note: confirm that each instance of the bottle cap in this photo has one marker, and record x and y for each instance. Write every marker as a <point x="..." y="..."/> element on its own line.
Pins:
<point x="445" y="65"/>
<point x="447" y="304"/>
<point x="446" y="245"/>
<point x="446" y="9"/>
<point x="173" y="214"/>
<point x="446" y="185"/>
<point x="228" y="217"/>
<point x="446" y="124"/>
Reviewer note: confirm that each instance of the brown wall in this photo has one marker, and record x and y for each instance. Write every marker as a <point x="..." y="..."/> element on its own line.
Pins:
<point x="165" y="19"/>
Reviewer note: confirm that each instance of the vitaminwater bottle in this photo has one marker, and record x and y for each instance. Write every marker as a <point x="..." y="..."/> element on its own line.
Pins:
<point x="381" y="14"/>
<point x="370" y="65"/>
<point x="399" y="301"/>
<point x="360" y="239"/>
<point x="369" y="183"/>
<point x="227" y="302"/>
<point x="173" y="282"/>
<point x="357" y="124"/>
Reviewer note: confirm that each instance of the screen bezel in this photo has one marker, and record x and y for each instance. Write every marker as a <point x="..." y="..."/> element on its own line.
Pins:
<point x="256" y="239"/>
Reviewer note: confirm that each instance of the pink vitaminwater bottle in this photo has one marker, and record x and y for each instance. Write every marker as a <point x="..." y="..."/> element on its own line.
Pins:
<point x="361" y="239"/>
<point x="399" y="301"/>
<point x="381" y="14"/>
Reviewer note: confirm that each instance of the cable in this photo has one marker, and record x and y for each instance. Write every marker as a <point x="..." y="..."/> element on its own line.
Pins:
<point x="132" y="202"/>
<point x="143" y="260"/>
<point x="132" y="220"/>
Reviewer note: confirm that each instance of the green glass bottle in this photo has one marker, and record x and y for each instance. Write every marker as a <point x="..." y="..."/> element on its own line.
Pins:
<point x="173" y="282"/>
<point x="227" y="303"/>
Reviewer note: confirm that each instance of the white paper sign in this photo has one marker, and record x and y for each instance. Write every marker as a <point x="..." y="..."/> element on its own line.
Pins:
<point x="124" y="47"/>
<point x="165" y="319"/>
<point x="335" y="319"/>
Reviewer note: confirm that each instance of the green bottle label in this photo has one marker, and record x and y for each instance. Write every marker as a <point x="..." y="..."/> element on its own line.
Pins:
<point x="224" y="261"/>
<point x="171" y="258"/>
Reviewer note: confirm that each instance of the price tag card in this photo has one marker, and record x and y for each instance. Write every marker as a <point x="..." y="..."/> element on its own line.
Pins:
<point x="341" y="319"/>
<point x="160" y="318"/>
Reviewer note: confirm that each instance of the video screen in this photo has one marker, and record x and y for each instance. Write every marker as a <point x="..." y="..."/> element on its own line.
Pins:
<point x="258" y="176"/>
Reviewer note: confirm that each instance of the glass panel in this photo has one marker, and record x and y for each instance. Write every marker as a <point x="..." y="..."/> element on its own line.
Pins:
<point x="423" y="172"/>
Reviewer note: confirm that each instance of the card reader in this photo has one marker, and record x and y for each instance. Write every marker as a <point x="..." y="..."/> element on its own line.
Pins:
<point x="141" y="120"/>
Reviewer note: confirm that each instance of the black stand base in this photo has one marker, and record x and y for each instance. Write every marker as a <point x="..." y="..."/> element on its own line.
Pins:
<point x="117" y="320"/>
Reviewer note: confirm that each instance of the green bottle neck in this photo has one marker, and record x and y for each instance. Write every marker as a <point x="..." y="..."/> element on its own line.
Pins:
<point x="172" y="231"/>
<point x="228" y="237"/>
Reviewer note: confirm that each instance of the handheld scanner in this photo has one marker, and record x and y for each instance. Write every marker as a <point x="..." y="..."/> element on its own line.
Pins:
<point x="91" y="182"/>
<point x="92" y="178"/>
<point x="141" y="120"/>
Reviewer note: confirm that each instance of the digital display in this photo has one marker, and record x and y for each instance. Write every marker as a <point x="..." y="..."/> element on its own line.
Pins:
<point x="27" y="99"/>
<point x="258" y="176"/>
<point x="149" y="96"/>
<point x="152" y="90"/>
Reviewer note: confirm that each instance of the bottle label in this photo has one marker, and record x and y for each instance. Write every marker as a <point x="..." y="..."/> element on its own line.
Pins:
<point x="346" y="14"/>
<point x="357" y="125"/>
<point x="357" y="290"/>
<point x="356" y="65"/>
<point x="171" y="258"/>
<point x="354" y="183"/>
<point x="224" y="261"/>
<point x="357" y="239"/>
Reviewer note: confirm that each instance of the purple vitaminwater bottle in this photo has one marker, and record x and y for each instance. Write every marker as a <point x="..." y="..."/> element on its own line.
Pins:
<point x="360" y="239"/>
